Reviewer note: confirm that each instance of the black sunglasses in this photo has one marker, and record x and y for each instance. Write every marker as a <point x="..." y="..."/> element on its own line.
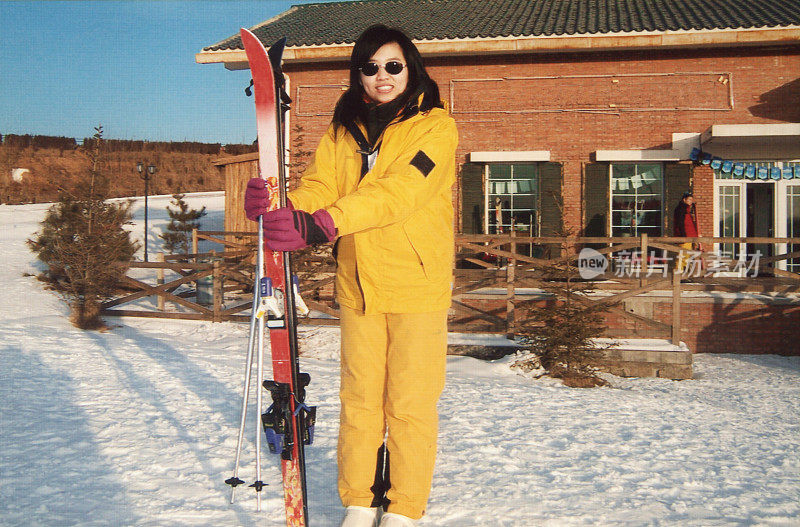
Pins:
<point x="392" y="67"/>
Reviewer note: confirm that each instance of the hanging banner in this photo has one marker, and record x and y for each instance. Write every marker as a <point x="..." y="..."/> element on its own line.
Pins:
<point x="741" y="170"/>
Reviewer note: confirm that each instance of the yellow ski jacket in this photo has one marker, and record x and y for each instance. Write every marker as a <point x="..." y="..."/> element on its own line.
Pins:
<point x="395" y="224"/>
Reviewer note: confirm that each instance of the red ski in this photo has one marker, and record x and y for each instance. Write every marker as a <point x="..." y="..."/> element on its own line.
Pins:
<point x="288" y="422"/>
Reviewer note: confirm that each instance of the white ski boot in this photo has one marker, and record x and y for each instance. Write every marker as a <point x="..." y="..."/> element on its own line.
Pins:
<point x="391" y="519"/>
<point x="356" y="516"/>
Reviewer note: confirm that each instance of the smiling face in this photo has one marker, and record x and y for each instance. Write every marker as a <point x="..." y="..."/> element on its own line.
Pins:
<point x="384" y="87"/>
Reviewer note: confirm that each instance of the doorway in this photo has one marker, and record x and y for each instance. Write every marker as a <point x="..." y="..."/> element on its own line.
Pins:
<point x="760" y="217"/>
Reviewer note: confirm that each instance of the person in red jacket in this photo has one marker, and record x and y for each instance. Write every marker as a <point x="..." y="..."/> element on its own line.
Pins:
<point x="685" y="226"/>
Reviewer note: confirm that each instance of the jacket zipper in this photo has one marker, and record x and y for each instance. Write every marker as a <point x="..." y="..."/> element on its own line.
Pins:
<point x="360" y="289"/>
<point x="364" y="155"/>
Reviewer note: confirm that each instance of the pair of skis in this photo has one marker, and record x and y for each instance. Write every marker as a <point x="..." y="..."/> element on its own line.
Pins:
<point x="288" y="423"/>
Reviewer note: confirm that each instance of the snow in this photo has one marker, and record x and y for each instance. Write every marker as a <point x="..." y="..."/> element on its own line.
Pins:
<point x="641" y="344"/>
<point x="138" y="425"/>
<point x="18" y="174"/>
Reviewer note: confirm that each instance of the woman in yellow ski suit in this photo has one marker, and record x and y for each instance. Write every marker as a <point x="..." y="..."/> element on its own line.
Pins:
<point x="380" y="185"/>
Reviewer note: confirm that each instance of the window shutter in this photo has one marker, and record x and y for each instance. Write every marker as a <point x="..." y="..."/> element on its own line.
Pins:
<point x="595" y="199"/>
<point x="472" y="199"/>
<point x="550" y="199"/>
<point x="677" y="179"/>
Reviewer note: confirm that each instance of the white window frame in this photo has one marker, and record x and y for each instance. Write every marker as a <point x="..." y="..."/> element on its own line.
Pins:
<point x="781" y="230"/>
<point x="742" y="185"/>
<point x="487" y="187"/>
<point x="610" y="222"/>
<point x="779" y="206"/>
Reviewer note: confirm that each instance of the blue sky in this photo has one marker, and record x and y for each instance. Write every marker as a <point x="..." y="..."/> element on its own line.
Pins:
<point x="67" y="66"/>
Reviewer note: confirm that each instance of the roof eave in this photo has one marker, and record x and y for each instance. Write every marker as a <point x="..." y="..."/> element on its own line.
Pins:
<point x="236" y="59"/>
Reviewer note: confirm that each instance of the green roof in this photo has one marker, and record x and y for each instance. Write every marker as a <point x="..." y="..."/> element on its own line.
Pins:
<point x="341" y="22"/>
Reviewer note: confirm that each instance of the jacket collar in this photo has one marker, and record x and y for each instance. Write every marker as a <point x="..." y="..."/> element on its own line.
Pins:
<point x="358" y="130"/>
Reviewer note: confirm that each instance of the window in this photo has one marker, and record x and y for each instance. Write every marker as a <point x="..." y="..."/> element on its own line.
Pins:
<point x="757" y="199"/>
<point x="730" y="215"/>
<point x="793" y="224"/>
<point x="636" y="199"/>
<point x="512" y="195"/>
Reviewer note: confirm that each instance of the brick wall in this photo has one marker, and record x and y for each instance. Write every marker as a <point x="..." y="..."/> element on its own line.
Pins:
<point x="709" y="324"/>
<point x="736" y="326"/>
<point x="579" y="109"/>
<point x="572" y="104"/>
<point x="703" y="188"/>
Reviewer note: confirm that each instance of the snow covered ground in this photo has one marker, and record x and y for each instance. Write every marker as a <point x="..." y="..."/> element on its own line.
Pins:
<point x="137" y="426"/>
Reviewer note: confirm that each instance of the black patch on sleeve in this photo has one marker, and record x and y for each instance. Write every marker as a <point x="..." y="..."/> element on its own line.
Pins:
<point x="423" y="163"/>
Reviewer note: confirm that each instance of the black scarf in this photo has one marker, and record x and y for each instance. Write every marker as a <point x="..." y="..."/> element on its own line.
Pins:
<point x="376" y="117"/>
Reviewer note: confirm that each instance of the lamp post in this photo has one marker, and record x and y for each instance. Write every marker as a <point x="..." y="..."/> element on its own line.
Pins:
<point x="145" y="173"/>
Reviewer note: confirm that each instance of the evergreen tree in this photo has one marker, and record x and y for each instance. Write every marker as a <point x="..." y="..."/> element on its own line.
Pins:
<point x="182" y="221"/>
<point x="560" y="335"/>
<point x="561" y="339"/>
<point x="84" y="244"/>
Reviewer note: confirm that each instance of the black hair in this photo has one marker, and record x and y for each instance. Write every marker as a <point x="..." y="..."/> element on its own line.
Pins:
<point x="687" y="194"/>
<point x="351" y="104"/>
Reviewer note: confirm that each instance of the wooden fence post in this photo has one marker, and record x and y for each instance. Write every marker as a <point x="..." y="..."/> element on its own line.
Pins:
<point x="195" y="249"/>
<point x="643" y="258"/>
<point x="510" y="289"/>
<point x="676" y="307"/>
<point x="217" y="288"/>
<point x="160" y="281"/>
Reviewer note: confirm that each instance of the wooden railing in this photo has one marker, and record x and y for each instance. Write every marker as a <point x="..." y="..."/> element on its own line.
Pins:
<point x="177" y="282"/>
<point x="185" y="287"/>
<point x="489" y="266"/>
<point x="484" y="264"/>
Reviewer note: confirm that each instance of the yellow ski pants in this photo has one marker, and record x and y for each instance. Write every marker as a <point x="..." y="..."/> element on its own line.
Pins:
<point x="393" y="370"/>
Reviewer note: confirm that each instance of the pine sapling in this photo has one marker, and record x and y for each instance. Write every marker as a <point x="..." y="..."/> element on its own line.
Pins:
<point x="84" y="243"/>
<point x="561" y="334"/>
<point x="183" y="221"/>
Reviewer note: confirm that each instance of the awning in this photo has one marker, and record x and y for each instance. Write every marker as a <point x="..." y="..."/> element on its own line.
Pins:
<point x="753" y="141"/>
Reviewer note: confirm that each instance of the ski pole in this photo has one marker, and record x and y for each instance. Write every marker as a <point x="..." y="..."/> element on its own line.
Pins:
<point x="234" y="481"/>
<point x="258" y="485"/>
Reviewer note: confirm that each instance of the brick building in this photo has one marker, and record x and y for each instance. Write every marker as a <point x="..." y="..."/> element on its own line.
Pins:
<point x="613" y="108"/>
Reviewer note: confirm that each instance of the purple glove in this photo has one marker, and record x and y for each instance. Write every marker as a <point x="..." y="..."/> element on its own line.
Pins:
<point x="286" y="229"/>
<point x="256" y="198"/>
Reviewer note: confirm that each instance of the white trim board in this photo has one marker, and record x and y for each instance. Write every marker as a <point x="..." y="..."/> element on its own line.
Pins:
<point x="506" y="157"/>
<point x="638" y="155"/>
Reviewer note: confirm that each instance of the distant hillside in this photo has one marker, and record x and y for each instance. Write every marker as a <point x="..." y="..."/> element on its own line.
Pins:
<point x="53" y="161"/>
